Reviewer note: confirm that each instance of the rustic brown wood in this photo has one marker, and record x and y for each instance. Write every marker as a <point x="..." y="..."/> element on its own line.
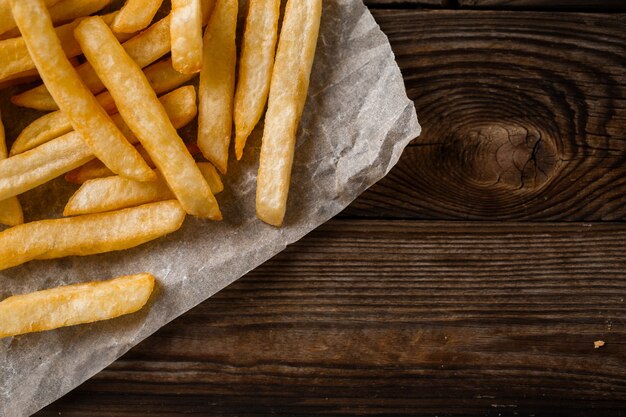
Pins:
<point x="546" y="4"/>
<point x="524" y="117"/>
<point x="402" y="318"/>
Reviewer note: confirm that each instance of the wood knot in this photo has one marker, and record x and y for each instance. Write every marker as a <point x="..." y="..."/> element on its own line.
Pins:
<point x="510" y="157"/>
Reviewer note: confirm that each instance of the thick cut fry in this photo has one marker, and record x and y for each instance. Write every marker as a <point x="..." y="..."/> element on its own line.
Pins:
<point x="186" y="36"/>
<point x="90" y="234"/>
<point x="96" y="169"/>
<point x="74" y="304"/>
<point x="87" y="117"/>
<point x="114" y="193"/>
<point x="255" y="68"/>
<point x="136" y="15"/>
<point x="288" y="93"/>
<point x="217" y="84"/>
<point x="162" y="78"/>
<point x="140" y="108"/>
<point x="6" y="16"/>
<point x="144" y="49"/>
<point x="10" y="209"/>
<point x="15" y="58"/>
<point x="37" y="166"/>
<point x="30" y="169"/>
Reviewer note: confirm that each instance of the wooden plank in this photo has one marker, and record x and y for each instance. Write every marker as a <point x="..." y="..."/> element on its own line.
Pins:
<point x="605" y="5"/>
<point x="394" y="318"/>
<point x="523" y="115"/>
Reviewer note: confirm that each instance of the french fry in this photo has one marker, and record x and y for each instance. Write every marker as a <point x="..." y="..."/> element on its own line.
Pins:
<point x="66" y="11"/>
<point x="114" y="193"/>
<point x="140" y="108"/>
<point x="136" y="15"/>
<point x="74" y="99"/>
<point x="288" y="93"/>
<point x="217" y="84"/>
<point x="144" y="49"/>
<point x="96" y="169"/>
<point x="90" y="234"/>
<point x="186" y="35"/>
<point x="255" y="68"/>
<point x="15" y="58"/>
<point x="74" y="304"/>
<point x="10" y="209"/>
<point x="39" y="165"/>
<point x="6" y="17"/>
<point x="162" y="78"/>
<point x="30" y="169"/>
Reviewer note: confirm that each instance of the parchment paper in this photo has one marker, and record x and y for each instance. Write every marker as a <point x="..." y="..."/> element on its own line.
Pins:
<point x="356" y="124"/>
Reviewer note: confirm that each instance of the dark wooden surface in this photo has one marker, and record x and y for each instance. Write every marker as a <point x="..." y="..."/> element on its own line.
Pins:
<point x="472" y="281"/>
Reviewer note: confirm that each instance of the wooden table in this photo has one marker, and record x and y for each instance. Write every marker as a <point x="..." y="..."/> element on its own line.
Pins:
<point x="473" y="280"/>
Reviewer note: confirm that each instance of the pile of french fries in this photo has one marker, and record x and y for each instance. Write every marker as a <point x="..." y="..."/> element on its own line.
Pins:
<point x="116" y="89"/>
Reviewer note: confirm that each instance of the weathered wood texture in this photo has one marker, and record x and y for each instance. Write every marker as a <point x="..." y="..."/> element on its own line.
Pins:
<point x="545" y="4"/>
<point x="524" y="117"/>
<point x="402" y="318"/>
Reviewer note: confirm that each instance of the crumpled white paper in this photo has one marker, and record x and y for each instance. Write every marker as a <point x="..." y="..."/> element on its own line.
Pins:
<point x="356" y="124"/>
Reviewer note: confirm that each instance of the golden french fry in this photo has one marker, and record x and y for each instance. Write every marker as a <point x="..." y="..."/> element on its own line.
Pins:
<point x="144" y="49"/>
<point x="162" y="78"/>
<point x="90" y="234"/>
<point x="6" y="17"/>
<point x="140" y="108"/>
<point x="217" y="84"/>
<point x="255" y="68"/>
<point x="136" y="15"/>
<point x="74" y="304"/>
<point x="207" y="8"/>
<point x="39" y="165"/>
<point x="95" y="169"/>
<point x="87" y="117"/>
<point x="180" y="106"/>
<point x="114" y="193"/>
<point x="15" y="58"/>
<point x="10" y="209"/>
<point x="288" y="93"/>
<point x="66" y="11"/>
<point x="186" y="35"/>
<point x="30" y="169"/>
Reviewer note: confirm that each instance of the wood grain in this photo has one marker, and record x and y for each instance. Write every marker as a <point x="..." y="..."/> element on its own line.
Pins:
<point x="394" y="318"/>
<point x="600" y="5"/>
<point x="523" y="115"/>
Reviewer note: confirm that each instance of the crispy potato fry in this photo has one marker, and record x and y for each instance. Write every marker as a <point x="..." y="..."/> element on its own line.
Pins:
<point x="74" y="304"/>
<point x="90" y="234"/>
<point x="162" y="78"/>
<point x="74" y="99"/>
<point x="186" y="35"/>
<point x="10" y="209"/>
<point x="95" y="169"/>
<point x="140" y="108"/>
<point x="288" y="93"/>
<point x="180" y="106"/>
<point x="66" y="11"/>
<point x="207" y="7"/>
<point x="255" y="68"/>
<point x="144" y="49"/>
<point x="37" y="166"/>
<point x="6" y="17"/>
<point x="136" y="15"/>
<point x="30" y="169"/>
<point x="15" y="58"/>
<point x="217" y="84"/>
<point x="114" y="193"/>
